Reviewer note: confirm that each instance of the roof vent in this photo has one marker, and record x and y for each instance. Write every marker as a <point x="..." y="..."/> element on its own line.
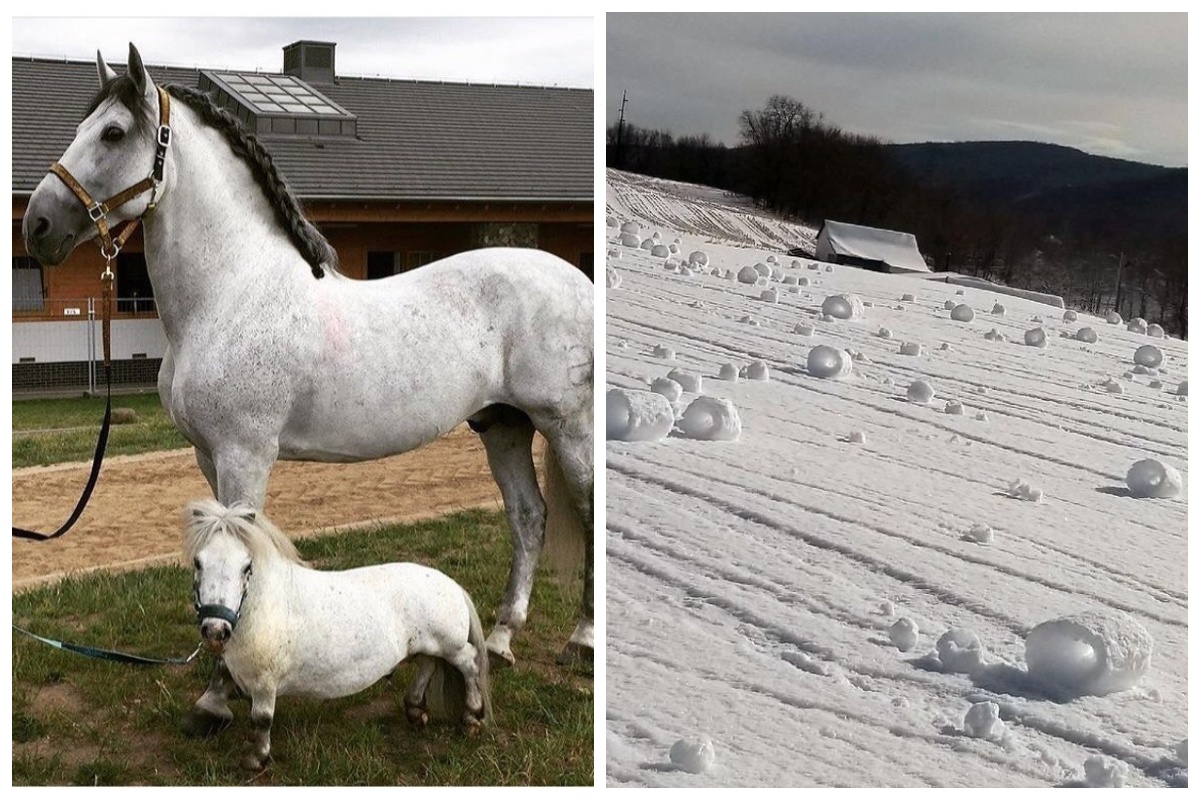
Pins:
<point x="309" y="61"/>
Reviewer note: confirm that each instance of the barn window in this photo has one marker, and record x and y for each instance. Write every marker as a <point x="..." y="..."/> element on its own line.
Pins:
<point x="380" y="264"/>
<point x="135" y="295"/>
<point x="419" y="259"/>
<point x="27" y="290"/>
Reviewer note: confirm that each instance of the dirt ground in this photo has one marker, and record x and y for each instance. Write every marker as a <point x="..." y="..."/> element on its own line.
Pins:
<point x="133" y="518"/>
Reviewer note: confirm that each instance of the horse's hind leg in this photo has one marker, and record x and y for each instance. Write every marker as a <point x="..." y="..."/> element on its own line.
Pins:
<point x="507" y="435"/>
<point x="211" y="714"/>
<point x="414" y="702"/>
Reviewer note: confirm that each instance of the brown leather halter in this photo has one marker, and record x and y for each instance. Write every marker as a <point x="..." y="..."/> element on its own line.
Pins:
<point x="98" y="212"/>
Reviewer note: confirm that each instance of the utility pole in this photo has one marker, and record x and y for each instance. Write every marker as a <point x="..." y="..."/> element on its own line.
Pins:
<point x="621" y="133"/>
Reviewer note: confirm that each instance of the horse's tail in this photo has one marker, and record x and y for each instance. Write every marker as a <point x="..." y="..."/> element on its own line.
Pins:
<point x="447" y="692"/>
<point x="566" y="538"/>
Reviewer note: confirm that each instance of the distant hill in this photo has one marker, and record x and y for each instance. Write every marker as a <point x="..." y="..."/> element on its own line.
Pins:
<point x="1061" y="185"/>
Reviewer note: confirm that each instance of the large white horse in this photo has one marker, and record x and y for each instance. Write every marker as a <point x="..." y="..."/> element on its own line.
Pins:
<point x="285" y="629"/>
<point x="273" y="354"/>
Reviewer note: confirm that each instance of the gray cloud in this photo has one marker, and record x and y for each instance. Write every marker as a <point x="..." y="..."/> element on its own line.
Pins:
<point x="1114" y="84"/>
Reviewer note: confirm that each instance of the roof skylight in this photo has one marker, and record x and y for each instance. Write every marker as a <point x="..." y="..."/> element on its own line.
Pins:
<point x="278" y="104"/>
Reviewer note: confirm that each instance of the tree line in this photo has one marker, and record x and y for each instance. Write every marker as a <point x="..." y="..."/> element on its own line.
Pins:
<point x="791" y="161"/>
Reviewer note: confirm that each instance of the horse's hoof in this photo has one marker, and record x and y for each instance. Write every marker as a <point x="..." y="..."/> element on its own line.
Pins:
<point x="575" y="653"/>
<point x="198" y="723"/>
<point x="417" y="716"/>
<point x="472" y="726"/>
<point x="500" y="659"/>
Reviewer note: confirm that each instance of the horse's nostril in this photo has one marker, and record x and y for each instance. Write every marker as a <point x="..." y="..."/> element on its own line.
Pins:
<point x="41" y="227"/>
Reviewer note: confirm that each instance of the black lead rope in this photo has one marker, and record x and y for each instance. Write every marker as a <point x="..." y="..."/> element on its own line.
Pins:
<point x="109" y="655"/>
<point x="97" y="460"/>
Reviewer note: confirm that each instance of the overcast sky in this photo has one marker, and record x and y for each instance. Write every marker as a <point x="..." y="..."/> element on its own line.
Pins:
<point x="525" y="50"/>
<point x="1110" y="84"/>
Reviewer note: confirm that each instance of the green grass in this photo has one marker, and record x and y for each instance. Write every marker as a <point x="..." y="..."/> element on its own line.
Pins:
<point x="59" y="430"/>
<point x="79" y="721"/>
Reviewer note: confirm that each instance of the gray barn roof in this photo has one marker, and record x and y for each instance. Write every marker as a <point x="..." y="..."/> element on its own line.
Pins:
<point x="416" y="140"/>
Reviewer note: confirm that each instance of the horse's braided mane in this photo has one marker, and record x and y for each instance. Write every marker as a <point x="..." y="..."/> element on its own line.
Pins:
<point x="307" y="239"/>
<point x="303" y="234"/>
<point x="204" y="519"/>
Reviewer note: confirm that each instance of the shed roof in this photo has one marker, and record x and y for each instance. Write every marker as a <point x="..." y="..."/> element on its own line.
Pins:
<point x="896" y="249"/>
<point x="416" y="140"/>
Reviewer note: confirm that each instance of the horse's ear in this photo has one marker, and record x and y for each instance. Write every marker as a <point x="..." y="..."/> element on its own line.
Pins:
<point x="103" y="70"/>
<point x="137" y="71"/>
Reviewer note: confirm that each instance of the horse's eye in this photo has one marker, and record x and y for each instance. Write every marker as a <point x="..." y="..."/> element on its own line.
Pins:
<point x="112" y="134"/>
<point x="246" y="570"/>
<point x="196" y="563"/>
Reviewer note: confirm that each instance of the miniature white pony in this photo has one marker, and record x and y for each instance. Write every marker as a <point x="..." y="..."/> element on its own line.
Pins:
<point x="285" y="629"/>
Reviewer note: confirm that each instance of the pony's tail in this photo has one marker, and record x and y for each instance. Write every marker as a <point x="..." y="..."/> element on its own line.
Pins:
<point x="566" y="538"/>
<point x="447" y="692"/>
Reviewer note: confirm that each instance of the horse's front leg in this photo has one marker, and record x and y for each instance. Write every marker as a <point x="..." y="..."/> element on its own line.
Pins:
<point x="212" y="714"/>
<point x="262" y="714"/>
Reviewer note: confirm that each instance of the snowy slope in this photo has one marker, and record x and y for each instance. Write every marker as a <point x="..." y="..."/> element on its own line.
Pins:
<point x="751" y="584"/>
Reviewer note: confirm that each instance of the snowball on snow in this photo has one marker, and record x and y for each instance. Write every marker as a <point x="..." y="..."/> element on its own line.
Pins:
<point x="884" y="333"/>
<point x="711" y="419"/>
<point x="962" y="313"/>
<point x="1023" y="490"/>
<point x="763" y="270"/>
<point x="648" y="244"/>
<point x="1104" y="773"/>
<point x="631" y="227"/>
<point x="998" y="310"/>
<point x="757" y="371"/>
<point x="667" y="388"/>
<point x="857" y="437"/>
<point x="630" y="239"/>
<point x="769" y="296"/>
<point x="1182" y="390"/>
<point x="1148" y="356"/>
<point x="693" y="755"/>
<point x="728" y="372"/>
<point x="919" y="391"/>
<point x="660" y="251"/>
<point x="1086" y="335"/>
<point x="1136" y="325"/>
<point x="1152" y="478"/>
<point x="1092" y="653"/>
<point x="1154" y="331"/>
<point x="698" y="257"/>
<point x="1113" y="318"/>
<point x="802" y="329"/>
<point x="690" y="381"/>
<point x="982" y="721"/>
<point x="911" y="349"/>
<point x="960" y="650"/>
<point x="662" y="351"/>
<point x="637" y="416"/>
<point x="843" y="306"/>
<point x="829" y="362"/>
<point x="748" y="275"/>
<point x="612" y="278"/>
<point x="1036" y="337"/>
<point x="1070" y="316"/>
<point x="995" y="336"/>
<point x="904" y="634"/>
<point x="790" y="280"/>
<point x="954" y="408"/>
<point x="980" y="532"/>
<point x="907" y="298"/>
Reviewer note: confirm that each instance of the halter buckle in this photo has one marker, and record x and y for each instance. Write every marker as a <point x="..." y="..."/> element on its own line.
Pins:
<point x="164" y="136"/>
<point x="109" y="258"/>
<point x="95" y="211"/>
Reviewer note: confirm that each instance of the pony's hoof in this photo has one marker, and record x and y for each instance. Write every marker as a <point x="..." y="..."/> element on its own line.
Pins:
<point x="198" y="723"/>
<point x="253" y="763"/>
<point x="417" y="717"/>
<point x="500" y="659"/>
<point x="472" y="726"/>
<point x="575" y="653"/>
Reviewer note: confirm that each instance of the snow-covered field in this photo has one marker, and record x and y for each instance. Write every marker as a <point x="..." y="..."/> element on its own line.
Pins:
<point x="781" y="595"/>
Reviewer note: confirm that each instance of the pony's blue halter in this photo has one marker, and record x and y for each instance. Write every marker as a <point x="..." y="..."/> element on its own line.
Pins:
<point x="219" y="611"/>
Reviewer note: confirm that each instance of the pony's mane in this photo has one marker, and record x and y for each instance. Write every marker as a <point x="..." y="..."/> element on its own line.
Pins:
<point x="314" y="248"/>
<point x="205" y="519"/>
